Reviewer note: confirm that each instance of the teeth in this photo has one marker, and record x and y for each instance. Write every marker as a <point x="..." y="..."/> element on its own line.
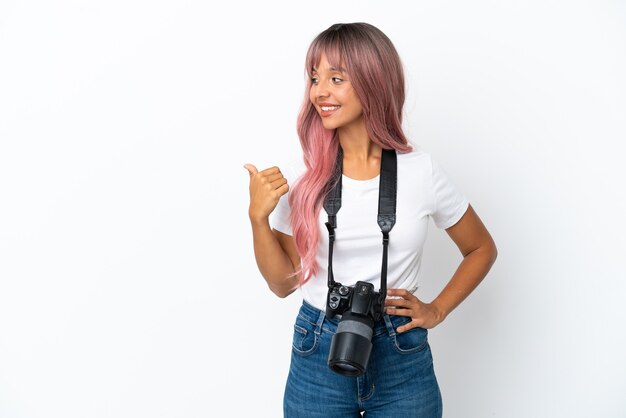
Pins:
<point x="327" y="108"/>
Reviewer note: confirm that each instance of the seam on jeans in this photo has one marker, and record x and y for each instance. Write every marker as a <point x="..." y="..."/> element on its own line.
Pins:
<point x="301" y="329"/>
<point x="300" y="334"/>
<point x="413" y="350"/>
<point x="320" y="323"/>
<point x="316" y="335"/>
<point x="307" y="320"/>
<point x="308" y="352"/>
<point x="390" y="329"/>
<point x="368" y="395"/>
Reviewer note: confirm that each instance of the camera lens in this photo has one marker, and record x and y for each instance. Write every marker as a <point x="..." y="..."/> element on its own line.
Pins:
<point x="351" y="345"/>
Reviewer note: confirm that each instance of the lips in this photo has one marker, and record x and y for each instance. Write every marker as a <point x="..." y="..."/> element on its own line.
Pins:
<point x="327" y="109"/>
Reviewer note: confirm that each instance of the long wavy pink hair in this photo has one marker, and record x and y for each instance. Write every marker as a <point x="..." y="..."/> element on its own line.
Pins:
<point x="376" y="74"/>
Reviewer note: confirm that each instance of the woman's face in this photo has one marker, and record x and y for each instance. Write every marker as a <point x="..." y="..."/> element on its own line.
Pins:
<point x="333" y="96"/>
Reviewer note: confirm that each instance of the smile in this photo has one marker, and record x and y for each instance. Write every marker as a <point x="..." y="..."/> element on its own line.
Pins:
<point x="329" y="108"/>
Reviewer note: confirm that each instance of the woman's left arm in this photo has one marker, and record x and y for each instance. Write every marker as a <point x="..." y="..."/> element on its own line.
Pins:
<point x="479" y="253"/>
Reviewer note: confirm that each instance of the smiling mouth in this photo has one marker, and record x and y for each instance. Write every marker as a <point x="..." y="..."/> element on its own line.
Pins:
<point x="329" y="108"/>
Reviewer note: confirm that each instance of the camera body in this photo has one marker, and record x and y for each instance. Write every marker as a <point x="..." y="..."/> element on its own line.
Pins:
<point x="359" y="299"/>
<point x="359" y="307"/>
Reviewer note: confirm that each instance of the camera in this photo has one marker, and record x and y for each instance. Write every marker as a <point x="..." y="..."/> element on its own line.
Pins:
<point x="358" y="308"/>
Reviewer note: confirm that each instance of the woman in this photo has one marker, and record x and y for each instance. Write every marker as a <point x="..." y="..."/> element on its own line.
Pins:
<point x="353" y="109"/>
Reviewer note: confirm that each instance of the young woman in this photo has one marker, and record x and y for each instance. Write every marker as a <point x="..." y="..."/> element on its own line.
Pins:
<point x="353" y="109"/>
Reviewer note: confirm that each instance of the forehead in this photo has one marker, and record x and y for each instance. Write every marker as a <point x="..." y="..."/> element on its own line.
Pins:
<point x="325" y="59"/>
<point x="324" y="66"/>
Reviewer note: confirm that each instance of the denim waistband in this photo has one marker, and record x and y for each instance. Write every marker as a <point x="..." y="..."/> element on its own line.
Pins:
<point x="386" y="325"/>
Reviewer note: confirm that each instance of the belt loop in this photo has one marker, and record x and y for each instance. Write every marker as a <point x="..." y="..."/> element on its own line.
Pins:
<point x="320" y="321"/>
<point x="390" y="329"/>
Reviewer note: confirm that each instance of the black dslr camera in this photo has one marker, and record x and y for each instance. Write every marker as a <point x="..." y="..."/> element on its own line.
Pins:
<point x="358" y="307"/>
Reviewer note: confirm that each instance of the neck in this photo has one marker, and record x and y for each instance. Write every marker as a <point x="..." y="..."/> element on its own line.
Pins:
<point x="357" y="145"/>
<point x="361" y="156"/>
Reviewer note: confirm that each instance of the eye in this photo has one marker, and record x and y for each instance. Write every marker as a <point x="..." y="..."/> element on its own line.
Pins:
<point x="337" y="80"/>
<point x="314" y="80"/>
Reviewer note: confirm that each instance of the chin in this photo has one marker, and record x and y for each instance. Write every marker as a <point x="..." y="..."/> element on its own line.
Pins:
<point x="328" y="124"/>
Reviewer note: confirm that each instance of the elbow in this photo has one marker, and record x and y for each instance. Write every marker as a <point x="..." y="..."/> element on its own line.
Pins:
<point x="486" y="252"/>
<point x="284" y="286"/>
<point x="492" y="250"/>
<point x="282" y="291"/>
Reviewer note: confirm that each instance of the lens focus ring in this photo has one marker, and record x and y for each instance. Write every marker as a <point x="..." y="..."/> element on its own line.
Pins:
<point x="355" y="327"/>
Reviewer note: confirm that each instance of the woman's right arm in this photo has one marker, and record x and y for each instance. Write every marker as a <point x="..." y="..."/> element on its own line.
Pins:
<point x="275" y="252"/>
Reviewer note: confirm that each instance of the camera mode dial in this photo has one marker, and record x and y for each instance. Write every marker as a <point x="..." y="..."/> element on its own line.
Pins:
<point x="338" y="300"/>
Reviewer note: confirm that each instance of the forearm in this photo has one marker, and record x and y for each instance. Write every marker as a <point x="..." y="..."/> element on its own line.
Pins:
<point x="471" y="271"/>
<point x="273" y="262"/>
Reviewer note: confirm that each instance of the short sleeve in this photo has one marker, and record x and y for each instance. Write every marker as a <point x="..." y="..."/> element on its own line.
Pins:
<point x="280" y="218"/>
<point x="450" y="203"/>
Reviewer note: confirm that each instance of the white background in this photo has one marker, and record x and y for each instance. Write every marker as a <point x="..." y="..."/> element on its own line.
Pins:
<point x="128" y="286"/>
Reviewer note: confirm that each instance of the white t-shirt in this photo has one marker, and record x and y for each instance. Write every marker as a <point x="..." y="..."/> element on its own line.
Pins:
<point x="424" y="191"/>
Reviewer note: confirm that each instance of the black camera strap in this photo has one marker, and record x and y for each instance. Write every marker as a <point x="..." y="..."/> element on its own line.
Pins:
<point x="386" y="209"/>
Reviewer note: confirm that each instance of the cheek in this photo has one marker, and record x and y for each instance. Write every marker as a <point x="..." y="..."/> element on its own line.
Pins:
<point x="355" y="100"/>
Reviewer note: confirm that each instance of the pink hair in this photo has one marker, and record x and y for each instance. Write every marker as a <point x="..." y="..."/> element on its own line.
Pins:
<point x="376" y="75"/>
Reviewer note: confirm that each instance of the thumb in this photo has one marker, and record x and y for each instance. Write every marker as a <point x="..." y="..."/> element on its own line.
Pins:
<point x="251" y="169"/>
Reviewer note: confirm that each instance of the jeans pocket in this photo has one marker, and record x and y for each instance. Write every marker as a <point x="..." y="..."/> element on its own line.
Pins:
<point x="411" y="341"/>
<point x="305" y="339"/>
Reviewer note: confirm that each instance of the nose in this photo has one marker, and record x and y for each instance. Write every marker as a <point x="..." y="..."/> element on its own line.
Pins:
<point x="320" y="91"/>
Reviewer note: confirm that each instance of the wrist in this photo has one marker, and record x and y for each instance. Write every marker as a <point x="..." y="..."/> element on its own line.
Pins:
<point x="259" y="221"/>
<point x="440" y="312"/>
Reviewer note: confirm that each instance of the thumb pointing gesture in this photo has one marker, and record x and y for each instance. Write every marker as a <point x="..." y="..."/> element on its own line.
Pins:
<point x="251" y="169"/>
<point x="266" y="188"/>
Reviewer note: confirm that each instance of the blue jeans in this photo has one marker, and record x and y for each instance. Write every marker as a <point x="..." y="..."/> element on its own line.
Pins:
<point x="399" y="382"/>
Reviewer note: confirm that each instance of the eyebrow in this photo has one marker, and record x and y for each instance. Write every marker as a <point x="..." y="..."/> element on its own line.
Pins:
<point x="332" y="69"/>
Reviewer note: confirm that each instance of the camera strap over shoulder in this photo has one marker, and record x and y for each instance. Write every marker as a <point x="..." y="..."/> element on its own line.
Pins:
<point x="386" y="208"/>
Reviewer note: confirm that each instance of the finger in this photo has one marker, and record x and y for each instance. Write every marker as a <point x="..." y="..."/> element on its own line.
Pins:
<point x="403" y="293"/>
<point x="271" y="170"/>
<point x="251" y="169"/>
<point x="282" y="189"/>
<point x="397" y="302"/>
<point x="406" y="327"/>
<point x="273" y="177"/>
<point x="278" y="183"/>
<point x="399" y="312"/>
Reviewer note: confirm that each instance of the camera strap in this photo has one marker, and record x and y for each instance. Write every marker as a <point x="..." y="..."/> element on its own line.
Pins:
<point x="386" y="209"/>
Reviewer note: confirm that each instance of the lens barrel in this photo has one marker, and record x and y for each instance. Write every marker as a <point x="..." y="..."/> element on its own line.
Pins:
<point x="351" y="345"/>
